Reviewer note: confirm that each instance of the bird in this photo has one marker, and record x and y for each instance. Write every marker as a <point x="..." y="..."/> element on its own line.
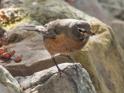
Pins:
<point x="64" y="36"/>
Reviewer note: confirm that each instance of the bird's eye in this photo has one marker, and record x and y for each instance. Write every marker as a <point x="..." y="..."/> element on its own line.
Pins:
<point x="81" y="30"/>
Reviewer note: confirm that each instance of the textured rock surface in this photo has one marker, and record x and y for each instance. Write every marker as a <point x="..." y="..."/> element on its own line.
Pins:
<point x="8" y="83"/>
<point x="93" y="8"/>
<point x="118" y="27"/>
<point x="49" y="81"/>
<point x="11" y="15"/>
<point x="114" y="7"/>
<point x="49" y="10"/>
<point x="10" y="3"/>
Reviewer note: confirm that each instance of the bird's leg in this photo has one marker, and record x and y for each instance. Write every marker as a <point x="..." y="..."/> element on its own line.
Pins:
<point x="72" y="59"/>
<point x="69" y="57"/>
<point x="56" y="64"/>
<point x="59" y="70"/>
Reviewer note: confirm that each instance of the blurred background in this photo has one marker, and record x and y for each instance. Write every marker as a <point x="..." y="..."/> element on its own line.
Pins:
<point x="102" y="9"/>
<point x="104" y="57"/>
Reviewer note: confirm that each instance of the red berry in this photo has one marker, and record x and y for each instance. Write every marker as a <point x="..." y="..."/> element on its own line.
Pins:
<point x="18" y="59"/>
<point x="6" y="55"/>
<point x="2" y="51"/>
<point x="12" y="52"/>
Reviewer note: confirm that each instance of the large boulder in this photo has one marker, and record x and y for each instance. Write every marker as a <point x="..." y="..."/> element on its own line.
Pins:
<point x="73" y="79"/>
<point x="48" y="10"/>
<point x="8" y="83"/>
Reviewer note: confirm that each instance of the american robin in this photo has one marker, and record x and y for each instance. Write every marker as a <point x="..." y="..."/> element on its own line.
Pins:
<point x="65" y="36"/>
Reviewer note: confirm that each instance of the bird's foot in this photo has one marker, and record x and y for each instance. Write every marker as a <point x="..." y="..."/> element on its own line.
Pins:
<point x="60" y="71"/>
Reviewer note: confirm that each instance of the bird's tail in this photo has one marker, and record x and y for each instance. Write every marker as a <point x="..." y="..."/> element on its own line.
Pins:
<point x="39" y="29"/>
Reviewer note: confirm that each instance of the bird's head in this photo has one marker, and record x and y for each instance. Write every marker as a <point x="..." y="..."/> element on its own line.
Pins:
<point x="78" y="30"/>
<point x="81" y="30"/>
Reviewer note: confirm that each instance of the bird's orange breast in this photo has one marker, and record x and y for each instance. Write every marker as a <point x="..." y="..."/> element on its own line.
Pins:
<point x="62" y="44"/>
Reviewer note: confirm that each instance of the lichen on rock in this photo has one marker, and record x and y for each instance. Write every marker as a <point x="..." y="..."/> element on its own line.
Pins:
<point x="9" y="16"/>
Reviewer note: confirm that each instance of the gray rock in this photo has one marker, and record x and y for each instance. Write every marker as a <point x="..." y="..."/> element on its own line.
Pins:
<point x="75" y="79"/>
<point x="118" y="27"/>
<point x="8" y="83"/>
<point x="93" y="8"/>
<point x="10" y="3"/>
<point x="114" y="7"/>
<point x="45" y="11"/>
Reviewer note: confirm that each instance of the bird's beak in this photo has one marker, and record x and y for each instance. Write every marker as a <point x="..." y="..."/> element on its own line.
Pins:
<point x="84" y="31"/>
<point x="91" y="33"/>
